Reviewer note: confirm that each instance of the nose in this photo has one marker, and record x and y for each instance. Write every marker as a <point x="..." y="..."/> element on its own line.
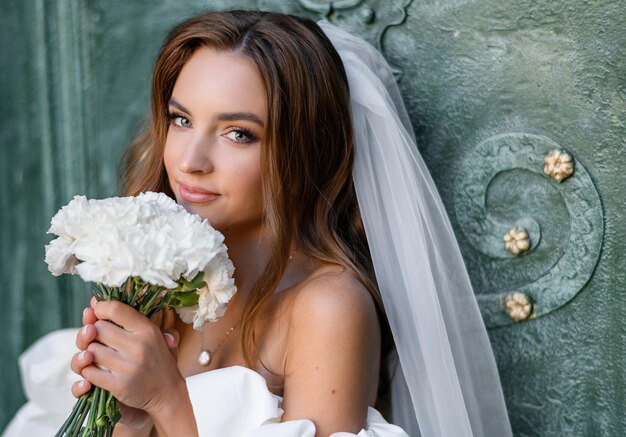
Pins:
<point x="196" y="155"/>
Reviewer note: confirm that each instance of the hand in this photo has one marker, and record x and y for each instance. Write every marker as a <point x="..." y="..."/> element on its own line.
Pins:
<point x="134" y="418"/>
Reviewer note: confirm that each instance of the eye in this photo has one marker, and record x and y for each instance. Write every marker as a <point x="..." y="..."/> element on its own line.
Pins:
<point x="178" y="120"/>
<point x="242" y="136"/>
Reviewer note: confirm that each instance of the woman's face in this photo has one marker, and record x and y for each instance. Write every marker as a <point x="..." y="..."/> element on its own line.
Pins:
<point x="217" y="119"/>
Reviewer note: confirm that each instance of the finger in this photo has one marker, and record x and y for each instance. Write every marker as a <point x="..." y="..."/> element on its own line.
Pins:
<point x="89" y="317"/>
<point x="80" y="360"/>
<point x="110" y="334"/>
<point x="122" y="315"/>
<point x="81" y="387"/>
<point x="172" y="337"/>
<point x="99" y="377"/>
<point x="93" y="301"/>
<point x="85" y="335"/>
<point x="104" y="357"/>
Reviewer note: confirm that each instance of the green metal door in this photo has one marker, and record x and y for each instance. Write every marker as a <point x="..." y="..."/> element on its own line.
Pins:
<point x="520" y="113"/>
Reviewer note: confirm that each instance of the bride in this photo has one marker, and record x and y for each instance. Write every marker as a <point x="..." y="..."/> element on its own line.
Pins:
<point x="353" y="300"/>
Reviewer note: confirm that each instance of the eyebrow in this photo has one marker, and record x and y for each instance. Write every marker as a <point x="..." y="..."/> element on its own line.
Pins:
<point x="224" y="116"/>
<point x="234" y="116"/>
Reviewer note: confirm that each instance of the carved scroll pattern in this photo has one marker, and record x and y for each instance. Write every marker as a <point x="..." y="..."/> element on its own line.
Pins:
<point x="367" y="18"/>
<point x="559" y="263"/>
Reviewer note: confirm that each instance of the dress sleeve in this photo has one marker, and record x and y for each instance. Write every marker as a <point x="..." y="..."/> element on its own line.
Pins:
<point x="46" y="380"/>
<point x="235" y="402"/>
<point x="377" y="426"/>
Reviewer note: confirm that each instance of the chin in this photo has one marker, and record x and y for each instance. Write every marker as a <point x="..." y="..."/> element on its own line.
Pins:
<point x="200" y="210"/>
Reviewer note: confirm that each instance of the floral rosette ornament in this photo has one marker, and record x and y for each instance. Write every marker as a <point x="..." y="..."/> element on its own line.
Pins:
<point x="148" y="252"/>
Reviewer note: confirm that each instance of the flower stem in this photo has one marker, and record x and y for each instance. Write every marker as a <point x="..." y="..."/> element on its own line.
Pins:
<point x="101" y="414"/>
<point x="92" y="413"/>
<point x="135" y="289"/>
<point x="147" y="302"/>
<point x="69" y="427"/>
<point x="69" y="420"/>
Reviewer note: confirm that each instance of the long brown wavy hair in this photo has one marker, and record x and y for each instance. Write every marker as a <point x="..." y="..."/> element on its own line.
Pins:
<point x="307" y="153"/>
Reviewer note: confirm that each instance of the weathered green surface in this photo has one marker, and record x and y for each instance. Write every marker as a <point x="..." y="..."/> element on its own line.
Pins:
<point x="40" y="90"/>
<point x="477" y="71"/>
<point x="491" y="85"/>
<point x="502" y="186"/>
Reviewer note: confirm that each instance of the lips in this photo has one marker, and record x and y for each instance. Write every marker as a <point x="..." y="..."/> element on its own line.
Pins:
<point x="195" y="194"/>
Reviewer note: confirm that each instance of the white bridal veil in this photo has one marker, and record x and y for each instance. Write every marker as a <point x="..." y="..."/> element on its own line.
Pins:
<point x="442" y="343"/>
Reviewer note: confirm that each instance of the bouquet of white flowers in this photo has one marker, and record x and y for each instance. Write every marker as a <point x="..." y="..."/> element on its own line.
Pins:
<point x="149" y="253"/>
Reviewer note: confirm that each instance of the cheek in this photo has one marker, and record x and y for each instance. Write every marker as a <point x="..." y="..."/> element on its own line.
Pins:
<point x="249" y="178"/>
<point x="257" y="188"/>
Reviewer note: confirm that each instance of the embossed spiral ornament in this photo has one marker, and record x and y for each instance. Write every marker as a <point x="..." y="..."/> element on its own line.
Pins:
<point x="516" y="241"/>
<point x="559" y="165"/>
<point x="518" y="306"/>
<point x="500" y="185"/>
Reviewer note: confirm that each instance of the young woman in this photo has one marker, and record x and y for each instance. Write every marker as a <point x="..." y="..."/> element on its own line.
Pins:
<point x="254" y="129"/>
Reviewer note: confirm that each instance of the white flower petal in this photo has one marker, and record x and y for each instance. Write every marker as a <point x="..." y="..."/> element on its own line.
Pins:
<point x="59" y="257"/>
<point x="148" y="236"/>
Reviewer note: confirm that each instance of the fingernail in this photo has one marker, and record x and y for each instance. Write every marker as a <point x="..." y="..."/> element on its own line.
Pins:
<point x="85" y="329"/>
<point x="170" y="337"/>
<point x="84" y="312"/>
<point x="82" y="384"/>
<point x="81" y="356"/>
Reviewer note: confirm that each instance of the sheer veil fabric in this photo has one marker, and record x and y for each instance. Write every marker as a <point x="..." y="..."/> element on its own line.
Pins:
<point x="449" y="386"/>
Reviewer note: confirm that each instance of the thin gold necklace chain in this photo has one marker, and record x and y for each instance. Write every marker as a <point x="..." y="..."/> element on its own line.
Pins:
<point x="205" y="355"/>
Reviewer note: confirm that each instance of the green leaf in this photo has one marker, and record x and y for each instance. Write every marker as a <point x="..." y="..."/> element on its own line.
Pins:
<point x="194" y="284"/>
<point x="184" y="299"/>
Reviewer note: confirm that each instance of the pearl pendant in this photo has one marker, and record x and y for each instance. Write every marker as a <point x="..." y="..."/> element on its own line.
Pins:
<point x="204" y="358"/>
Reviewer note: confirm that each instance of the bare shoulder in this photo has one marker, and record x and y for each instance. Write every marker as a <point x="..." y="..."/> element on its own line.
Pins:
<point x="333" y="294"/>
<point x="333" y="352"/>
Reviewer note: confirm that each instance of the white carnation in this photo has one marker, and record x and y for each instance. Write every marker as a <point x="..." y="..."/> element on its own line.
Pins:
<point x="60" y="257"/>
<point x="149" y="236"/>
<point x="215" y="296"/>
<point x="104" y="257"/>
<point x="160" y="201"/>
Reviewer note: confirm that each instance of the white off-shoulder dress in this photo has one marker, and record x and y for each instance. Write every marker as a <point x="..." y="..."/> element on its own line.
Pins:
<point x="229" y="402"/>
